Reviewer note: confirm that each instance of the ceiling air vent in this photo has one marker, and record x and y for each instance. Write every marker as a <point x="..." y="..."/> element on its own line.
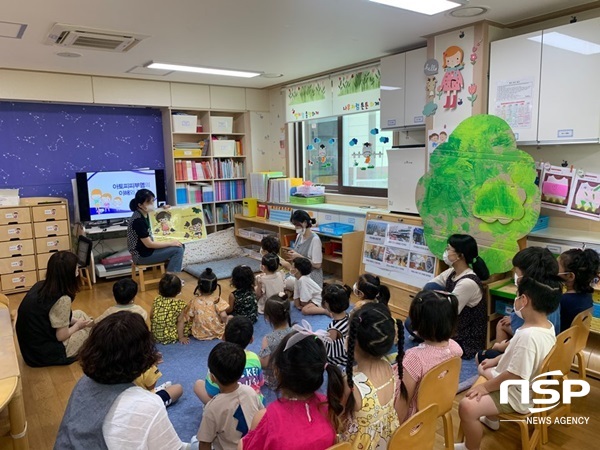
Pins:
<point x="92" y="39"/>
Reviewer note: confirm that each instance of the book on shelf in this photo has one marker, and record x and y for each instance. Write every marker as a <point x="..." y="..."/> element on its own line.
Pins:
<point x="208" y="193"/>
<point x="279" y="189"/>
<point x="186" y="170"/>
<point x="208" y="215"/>
<point x="230" y="190"/>
<point x="259" y="184"/>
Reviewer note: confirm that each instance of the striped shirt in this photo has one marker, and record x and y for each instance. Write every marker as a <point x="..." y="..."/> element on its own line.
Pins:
<point x="336" y="352"/>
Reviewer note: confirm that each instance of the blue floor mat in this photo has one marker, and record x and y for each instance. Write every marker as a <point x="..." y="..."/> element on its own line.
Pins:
<point x="223" y="268"/>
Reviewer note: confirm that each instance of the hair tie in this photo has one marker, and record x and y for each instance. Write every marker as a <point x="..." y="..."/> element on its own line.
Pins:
<point x="281" y="295"/>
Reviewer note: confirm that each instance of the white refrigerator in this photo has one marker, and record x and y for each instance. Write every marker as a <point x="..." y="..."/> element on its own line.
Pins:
<point x="406" y="165"/>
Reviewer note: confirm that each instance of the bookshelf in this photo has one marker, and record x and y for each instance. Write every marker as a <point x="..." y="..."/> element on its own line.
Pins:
<point x="207" y="163"/>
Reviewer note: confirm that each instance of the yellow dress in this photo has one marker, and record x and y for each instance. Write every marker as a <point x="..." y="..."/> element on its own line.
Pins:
<point x="371" y="428"/>
<point x="204" y="312"/>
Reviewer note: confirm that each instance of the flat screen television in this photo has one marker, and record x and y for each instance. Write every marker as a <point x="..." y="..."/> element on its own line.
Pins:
<point x="105" y="195"/>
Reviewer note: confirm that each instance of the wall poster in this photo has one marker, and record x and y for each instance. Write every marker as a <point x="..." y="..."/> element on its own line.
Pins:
<point x="584" y="198"/>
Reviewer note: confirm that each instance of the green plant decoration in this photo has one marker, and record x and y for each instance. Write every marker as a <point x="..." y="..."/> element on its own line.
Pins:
<point x="480" y="183"/>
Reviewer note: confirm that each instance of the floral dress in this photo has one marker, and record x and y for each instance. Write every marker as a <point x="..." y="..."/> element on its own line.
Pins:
<point x="372" y="426"/>
<point x="245" y="304"/>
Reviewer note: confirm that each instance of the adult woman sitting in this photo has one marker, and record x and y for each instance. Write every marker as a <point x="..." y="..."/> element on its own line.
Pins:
<point x="49" y="332"/>
<point x="466" y="284"/>
<point x="141" y="244"/>
<point x="307" y="245"/>
<point x="106" y="410"/>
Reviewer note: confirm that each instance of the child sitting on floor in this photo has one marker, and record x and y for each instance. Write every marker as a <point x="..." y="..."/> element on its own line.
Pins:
<point x="271" y="244"/>
<point x="207" y="310"/>
<point x="301" y="418"/>
<point x="307" y="293"/>
<point x="270" y="282"/>
<point x="522" y="361"/>
<point x="336" y="300"/>
<point x="368" y="288"/>
<point x="434" y="316"/>
<point x="227" y="417"/>
<point x="124" y="292"/>
<point x="239" y="331"/>
<point x="168" y="314"/>
<point x="277" y="313"/>
<point x="242" y="301"/>
<point x="168" y="392"/>
<point x="371" y="384"/>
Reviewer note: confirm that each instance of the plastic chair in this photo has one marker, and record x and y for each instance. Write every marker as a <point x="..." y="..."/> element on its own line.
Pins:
<point x="439" y="386"/>
<point x="157" y="270"/>
<point x="565" y="350"/>
<point x="341" y="446"/>
<point x="417" y="433"/>
<point x="84" y="255"/>
<point x="583" y="320"/>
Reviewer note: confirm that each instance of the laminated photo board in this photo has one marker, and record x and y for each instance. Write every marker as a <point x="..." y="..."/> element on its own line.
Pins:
<point x="584" y="198"/>
<point x="184" y="223"/>
<point x="556" y="187"/>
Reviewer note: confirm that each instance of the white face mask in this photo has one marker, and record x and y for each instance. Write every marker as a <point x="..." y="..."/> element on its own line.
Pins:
<point x="517" y="279"/>
<point x="299" y="230"/>
<point x="446" y="258"/>
<point x="518" y="312"/>
<point x="150" y="207"/>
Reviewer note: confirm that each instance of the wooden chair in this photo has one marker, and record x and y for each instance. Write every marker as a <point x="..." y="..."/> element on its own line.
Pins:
<point x="439" y="386"/>
<point x="157" y="270"/>
<point x="341" y="446"/>
<point x="583" y="320"/>
<point x="565" y="350"/>
<point x="418" y="432"/>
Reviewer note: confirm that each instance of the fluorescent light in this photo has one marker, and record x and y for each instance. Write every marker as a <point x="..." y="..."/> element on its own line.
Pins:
<point x="389" y="88"/>
<point x="206" y="70"/>
<point x="429" y="7"/>
<point x="566" y="42"/>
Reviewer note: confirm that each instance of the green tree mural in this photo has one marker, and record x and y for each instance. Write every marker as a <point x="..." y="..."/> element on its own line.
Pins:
<point x="480" y="183"/>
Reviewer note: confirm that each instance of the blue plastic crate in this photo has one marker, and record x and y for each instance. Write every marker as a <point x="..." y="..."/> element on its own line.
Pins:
<point x="504" y="307"/>
<point x="335" y="228"/>
<point x="542" y="223"/>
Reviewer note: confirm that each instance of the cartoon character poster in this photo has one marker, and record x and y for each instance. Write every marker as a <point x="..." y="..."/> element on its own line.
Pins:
<point x="584" y="199"/>
<point x="184" y="223"/>
<point x="557" y="183"/>
<point x="453" y="81"/>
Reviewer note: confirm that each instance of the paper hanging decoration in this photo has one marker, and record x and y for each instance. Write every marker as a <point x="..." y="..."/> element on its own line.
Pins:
<point x="452" y="82"/>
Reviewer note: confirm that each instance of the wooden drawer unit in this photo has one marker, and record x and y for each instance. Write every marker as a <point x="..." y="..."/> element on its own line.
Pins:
<point x="15" y="232"/>
<point x="49" y="212"/>
<point x="52" y="244"/>
<point x="16" y="248"/>
<point x="17" y="264"/>
<point x="14" y="214"/>
<point x="14" y="281"/>
<point x="45" y="229"/>
<point x="42" y="260"/>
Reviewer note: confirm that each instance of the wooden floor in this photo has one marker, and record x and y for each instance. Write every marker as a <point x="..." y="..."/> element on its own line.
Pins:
<point x="46" y="390"/>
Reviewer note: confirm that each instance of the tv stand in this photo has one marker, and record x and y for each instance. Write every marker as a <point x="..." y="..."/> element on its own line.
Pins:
<point x="99" y="234"/>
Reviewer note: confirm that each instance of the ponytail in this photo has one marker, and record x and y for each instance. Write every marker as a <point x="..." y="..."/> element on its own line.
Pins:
<point x="335" y="394"/>
<point x="351" y="401"/>
<point x="480" y="268"/>
<point x="400" y="360"/>
<point x="384" y="294"/>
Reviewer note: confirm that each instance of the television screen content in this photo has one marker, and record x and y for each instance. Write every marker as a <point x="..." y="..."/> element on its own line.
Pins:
<point x="106" y="195"/>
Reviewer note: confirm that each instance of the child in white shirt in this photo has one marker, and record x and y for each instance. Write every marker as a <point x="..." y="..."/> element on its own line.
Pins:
<point x="270" y="282"/>
<point x="522" y="360"/>
<point x="307" y="293"/>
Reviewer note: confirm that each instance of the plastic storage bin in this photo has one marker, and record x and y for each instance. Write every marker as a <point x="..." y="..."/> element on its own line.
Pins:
<point x="542" y="223"/>
<point x="221" y="124"/>
<point x="335" y="228"/>
<point x="183" y="123"/>
<point x="255" y="234"/>
<point x="252" y="251"/>
<point x="307" y="200"/>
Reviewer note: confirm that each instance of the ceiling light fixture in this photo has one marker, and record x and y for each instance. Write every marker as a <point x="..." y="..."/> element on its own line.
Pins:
<point x="69" y="54"/>
<point x="468" y="11"/>
<point x="566" y="42"/>
<point x="429" y="7"/>
<point x="12" y="30"/>
<point x="389" y="88"/>
<point x="204" y="70"/>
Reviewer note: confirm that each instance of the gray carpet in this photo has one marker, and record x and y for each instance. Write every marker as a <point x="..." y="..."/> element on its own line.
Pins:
<point x="223" y="267"/>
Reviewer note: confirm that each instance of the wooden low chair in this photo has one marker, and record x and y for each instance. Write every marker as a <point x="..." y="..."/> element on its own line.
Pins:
<point x="439" y="386"/>
<point x="157" y="270"/>
<point x="341" y="446"/>
<point x="418" y="432"/>
<point x="565" y="350"/>
<point x="583" y="320"/>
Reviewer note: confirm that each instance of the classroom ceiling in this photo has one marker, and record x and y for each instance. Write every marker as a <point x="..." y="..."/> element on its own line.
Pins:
<point x="296" y="38"/>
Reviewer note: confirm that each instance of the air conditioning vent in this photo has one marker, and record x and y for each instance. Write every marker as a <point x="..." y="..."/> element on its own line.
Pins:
<point x="92" y="39"/>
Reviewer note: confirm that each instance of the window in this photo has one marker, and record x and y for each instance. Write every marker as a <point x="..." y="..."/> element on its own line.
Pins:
<point x="347" y="154"/>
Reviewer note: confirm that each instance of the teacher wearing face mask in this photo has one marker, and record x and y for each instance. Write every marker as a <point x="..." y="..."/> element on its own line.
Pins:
<point x="464" y="279"/>
<point x="307" y="245"/>
<point x="140" y="242"/>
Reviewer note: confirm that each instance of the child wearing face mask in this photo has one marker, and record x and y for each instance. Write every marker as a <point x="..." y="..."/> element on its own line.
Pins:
<point x="464" y="280"/>
<point x="368" y="288"/>
<point x="522" y="360"/>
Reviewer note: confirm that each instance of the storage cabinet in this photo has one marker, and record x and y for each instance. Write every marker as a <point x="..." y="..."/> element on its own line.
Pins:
<point x="341" y="254"/>
<point x="207" y="163"/>
<point x="543" y="84"/>
<point x="29" y="234"/>
<point x="403" y="89"/>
